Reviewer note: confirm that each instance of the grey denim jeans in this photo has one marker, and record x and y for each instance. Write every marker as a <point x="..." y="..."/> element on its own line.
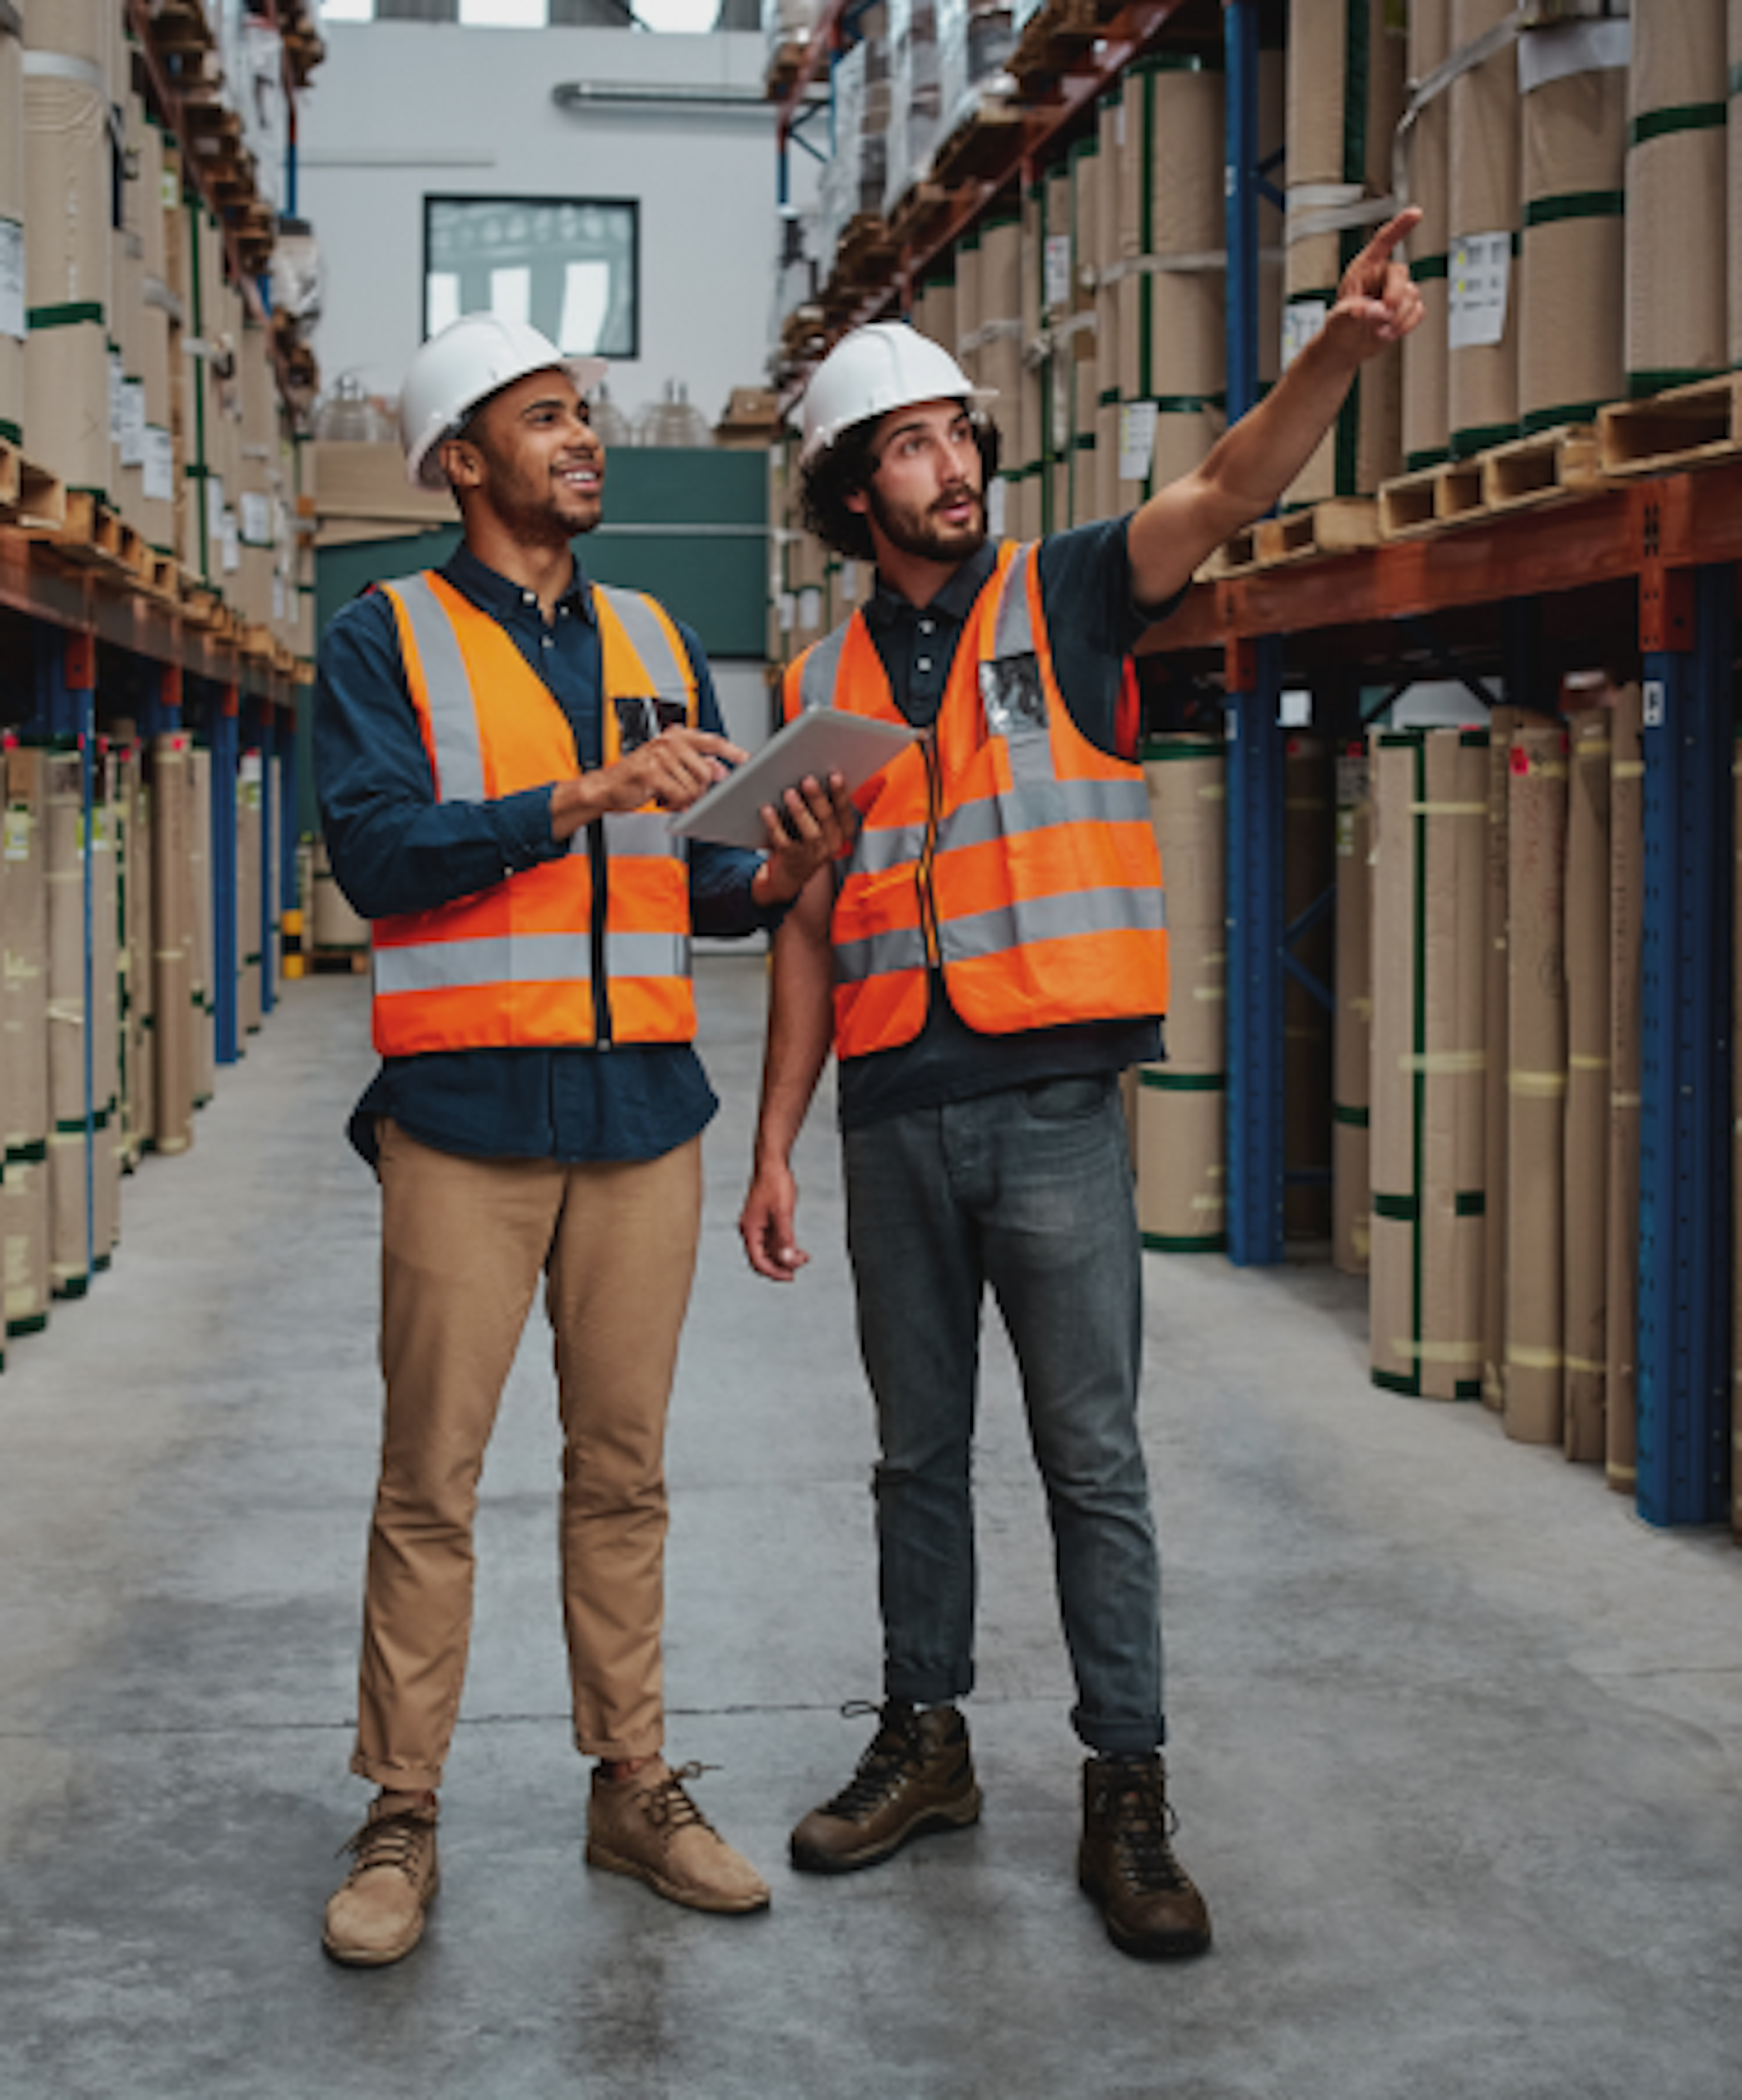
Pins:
<point x="1029" y="1191"/>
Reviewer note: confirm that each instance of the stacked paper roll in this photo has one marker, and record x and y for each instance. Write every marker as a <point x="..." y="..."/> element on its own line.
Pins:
<point x="1626" y="897"/>
<point x="1677" y="313"/>
<point x="12" y="206"/>
<point x="173" y="937"/>
<point x="1110" y="132"/>
<point x="69" y="254"/>
<point x="1345" y="97"/>
<point x="24" y="1064"/>
<point x="1483" y="211"/>
<point x="1588" y="1085"/>
<point x="1572" y="266"/>
<point x="999" y="280"/>
<point x="105" y="1014"/>
<point x="1536" y="1080"/>
<point x="1426" y="170"/>
<point x="1181" y="1105"/>
<point x="71" y="1100"/>
<point x="1351" y="1107"/>
<point x="1083" y="350"/>
<point x="1172" y="344"/>
<point x="204" y="984"/>
<point x="1428" y="1243"/>
<point x="1503" y="722"/>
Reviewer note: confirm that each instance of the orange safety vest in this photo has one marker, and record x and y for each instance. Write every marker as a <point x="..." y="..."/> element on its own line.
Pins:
<point x="592" y="945"/>
<point x="1004" y="849"/>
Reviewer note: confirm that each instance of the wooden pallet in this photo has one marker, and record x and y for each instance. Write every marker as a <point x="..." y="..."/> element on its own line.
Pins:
<point x="1340" y="525"/>
<point x="88" y="531"/>
<point x="1544" y="468"/>
<point x="1235" y="556"/>
<point x="979" y="146"/>
<point x="30" y="496"/>
<point x="917" y="211"/>
<point x="1054" y="38"/>
<point x="1689" y="426"/>
<point x="338" y="962"/>
<point x="784" y="63"/>
<point x="1431" y="499"/>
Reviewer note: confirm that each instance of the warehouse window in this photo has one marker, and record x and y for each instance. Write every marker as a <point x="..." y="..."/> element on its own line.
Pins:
<point x="570" y="267"/>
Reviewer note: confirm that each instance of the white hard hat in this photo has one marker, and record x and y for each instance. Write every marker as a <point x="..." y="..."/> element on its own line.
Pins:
<point x="885" y="365"/>
<point x="465" y="363"/>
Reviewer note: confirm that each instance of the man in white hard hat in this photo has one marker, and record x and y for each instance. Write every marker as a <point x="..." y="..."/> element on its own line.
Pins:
<point x="986" y="959"/>
<point x="498" y="744"/>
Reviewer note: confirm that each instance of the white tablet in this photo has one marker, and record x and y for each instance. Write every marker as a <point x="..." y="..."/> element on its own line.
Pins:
<point x="813" y="744"/>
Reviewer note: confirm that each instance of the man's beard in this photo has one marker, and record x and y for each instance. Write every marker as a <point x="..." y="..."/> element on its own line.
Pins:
<point x="921" y="535"/>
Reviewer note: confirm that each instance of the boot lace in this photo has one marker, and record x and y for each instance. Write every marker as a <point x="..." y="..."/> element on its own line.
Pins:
<point x="668" y="1808"/>
<point x="1142" y="1823"/>
<point x="896" y="1751"/>
<point x="399" y="1840"/>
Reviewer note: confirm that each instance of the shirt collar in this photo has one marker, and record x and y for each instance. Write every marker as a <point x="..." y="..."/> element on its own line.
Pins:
<point x="952" y="603"/>
<point x="495" y="594"/>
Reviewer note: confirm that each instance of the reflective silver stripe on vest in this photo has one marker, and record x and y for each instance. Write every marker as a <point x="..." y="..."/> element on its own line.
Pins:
<point x="652" y="644"/>
<point x="497" y="958"/>
<point x="1013" y="624"/>
<point x="641" y="834"/>
<point x="525" y="959"/>
<point x="453" y="719"/>
<point x="646" y="956"/>
<point x="816" y="678"/>
<point x="1039" y="805"/>
<point x="879" y="954"/>
<point x="1058" y="918"/>
<point x="875" y="852"/>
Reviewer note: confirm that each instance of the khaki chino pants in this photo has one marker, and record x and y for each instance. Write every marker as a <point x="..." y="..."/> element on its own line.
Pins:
<point x="464" y="1242"/>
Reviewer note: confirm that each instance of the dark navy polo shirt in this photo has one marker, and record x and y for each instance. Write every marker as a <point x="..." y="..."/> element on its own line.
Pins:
<point x="1093" y="623"/>
<point x="394" y="847"/>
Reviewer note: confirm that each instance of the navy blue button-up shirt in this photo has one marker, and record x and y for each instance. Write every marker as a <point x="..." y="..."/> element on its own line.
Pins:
<point x="394" y="847"/>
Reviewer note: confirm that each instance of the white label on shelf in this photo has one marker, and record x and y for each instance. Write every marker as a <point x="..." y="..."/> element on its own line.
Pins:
<point x="133" y="422"/>
<point x="257" y="518"/>
<point x="18" y="828"/>
<point x="1653" y="714"/>
<point x="1301" y="319"/>
<point x="1137" y="422"/>
<point x="1481" y="271"/>
<point x="278" y="596"/>
<point x="788" y="612"/>
<point x="171" y="185"/>
<point x="249" y="773"/>
<point x="1058" y="270"/>
<point x="160" y="465"/>
<point x="810" y="606"/>
<point x="214" y="510"/>
<point x="231" y="543"/>
<point x="117" y="388"/>
<point x="997" y="505"/>
<point x="12" y="319"/>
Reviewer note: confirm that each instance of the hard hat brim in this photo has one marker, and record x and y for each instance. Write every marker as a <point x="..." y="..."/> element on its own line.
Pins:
<point x="423" y="467"/>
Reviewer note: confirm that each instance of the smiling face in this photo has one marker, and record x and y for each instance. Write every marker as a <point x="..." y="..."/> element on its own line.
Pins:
<point x="925" y="496"/>
<point x="531" y="458"/>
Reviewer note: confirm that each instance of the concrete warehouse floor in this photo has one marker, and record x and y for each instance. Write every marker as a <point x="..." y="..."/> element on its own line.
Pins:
<point x="1458" y="1742"/>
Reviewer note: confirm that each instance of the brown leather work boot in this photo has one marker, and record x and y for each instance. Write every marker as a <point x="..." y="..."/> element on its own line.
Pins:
<point x="917" y="1776"/>
<point x="647" y="1826"/>
<point x="377" y="1914"/>
<point x="1126" y="1864"/>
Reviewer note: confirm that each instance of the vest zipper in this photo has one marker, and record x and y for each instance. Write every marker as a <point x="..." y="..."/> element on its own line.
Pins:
<point x="929" y="853"/>
<point x="596" y="859"/>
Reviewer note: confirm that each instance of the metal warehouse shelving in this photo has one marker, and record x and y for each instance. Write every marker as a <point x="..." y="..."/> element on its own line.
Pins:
<point x="1645" y="572"/>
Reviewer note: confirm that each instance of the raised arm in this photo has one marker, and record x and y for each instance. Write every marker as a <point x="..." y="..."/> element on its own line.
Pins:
<point x="1249" y="468"/>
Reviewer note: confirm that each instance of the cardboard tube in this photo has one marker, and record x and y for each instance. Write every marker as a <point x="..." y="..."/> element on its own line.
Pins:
<point x="1588" y="1084"/>
<point x="1678" y="315"/>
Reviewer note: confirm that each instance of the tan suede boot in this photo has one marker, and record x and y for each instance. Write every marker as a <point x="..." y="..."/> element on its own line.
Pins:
<point x="377" y="1914"/>
<point x="647" y="1826"/>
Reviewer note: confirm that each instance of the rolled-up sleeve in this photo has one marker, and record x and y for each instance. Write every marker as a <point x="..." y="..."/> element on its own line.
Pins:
<point x="392" y="845"/>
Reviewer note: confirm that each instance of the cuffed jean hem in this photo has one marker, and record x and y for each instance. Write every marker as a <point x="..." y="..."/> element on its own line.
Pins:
<point x="913" y="1691"/>
<point x="1119" y="1739"/>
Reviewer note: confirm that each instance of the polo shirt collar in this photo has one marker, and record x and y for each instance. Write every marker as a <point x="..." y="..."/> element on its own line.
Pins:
<point x="954" y="602"/>
<point x="495" y="594"/>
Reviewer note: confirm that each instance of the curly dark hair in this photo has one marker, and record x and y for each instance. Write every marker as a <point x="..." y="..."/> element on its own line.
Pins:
<point x="845" y="468"/>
